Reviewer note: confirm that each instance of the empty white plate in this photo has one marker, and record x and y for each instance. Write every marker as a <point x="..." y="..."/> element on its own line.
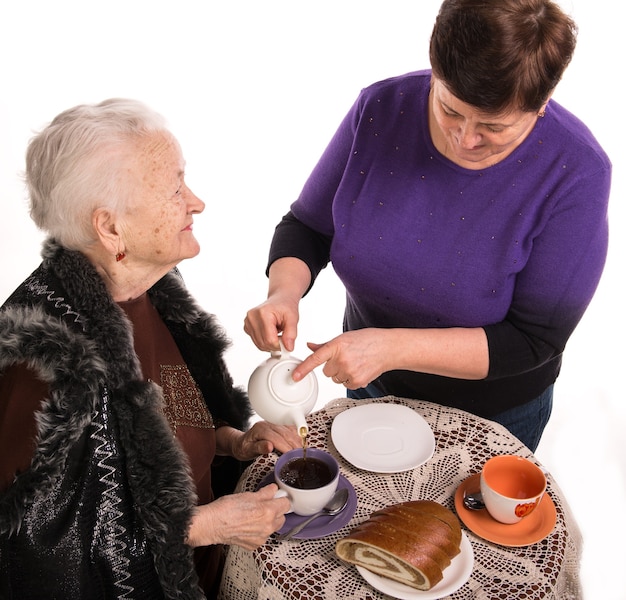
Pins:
<point x="384" y="438"/>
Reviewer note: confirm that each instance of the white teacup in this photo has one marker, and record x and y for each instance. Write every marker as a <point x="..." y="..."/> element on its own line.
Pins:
<point x="308" y="491"/>
<point x="512" y="487"/>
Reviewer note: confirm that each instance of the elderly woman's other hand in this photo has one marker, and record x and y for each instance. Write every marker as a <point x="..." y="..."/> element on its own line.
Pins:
<point x="264" y="437"/>
<point x="261" y="438"/>
<point x="246" y="519"/>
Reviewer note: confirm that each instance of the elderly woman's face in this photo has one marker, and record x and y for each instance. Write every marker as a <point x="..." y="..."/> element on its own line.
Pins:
<point x="159" y="219"/>
<point x="471" y="138"/>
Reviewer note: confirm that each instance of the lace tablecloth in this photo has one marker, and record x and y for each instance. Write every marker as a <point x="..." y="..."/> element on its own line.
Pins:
<point x="310" y="569"/>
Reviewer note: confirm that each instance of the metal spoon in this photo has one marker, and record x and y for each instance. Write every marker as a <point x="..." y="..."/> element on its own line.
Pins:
<point x="334" y="506"/>
<point x="473" y="500"/>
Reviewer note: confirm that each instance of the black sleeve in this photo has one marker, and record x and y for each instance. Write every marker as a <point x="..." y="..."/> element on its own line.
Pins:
<point x="292" y="238"/>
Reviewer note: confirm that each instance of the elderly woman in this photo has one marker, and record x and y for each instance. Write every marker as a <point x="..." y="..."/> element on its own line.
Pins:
<point x="117" y="412"/>
<point x="465" y="212"/>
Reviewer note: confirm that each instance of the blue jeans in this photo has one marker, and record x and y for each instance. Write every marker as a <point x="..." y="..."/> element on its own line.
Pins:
<point x="371" y="391"/>
<point x="525" y="422"/>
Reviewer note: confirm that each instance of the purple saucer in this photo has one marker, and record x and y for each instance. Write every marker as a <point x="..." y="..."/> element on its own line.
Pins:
<point x="324" y="524"/>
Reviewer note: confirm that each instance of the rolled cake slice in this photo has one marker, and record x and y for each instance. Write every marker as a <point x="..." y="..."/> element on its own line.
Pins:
<point x="410" y="542"/>
<point x="411" y="509"/>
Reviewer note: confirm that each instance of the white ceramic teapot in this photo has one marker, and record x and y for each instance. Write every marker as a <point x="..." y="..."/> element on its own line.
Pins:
<point x="276" y="397"/>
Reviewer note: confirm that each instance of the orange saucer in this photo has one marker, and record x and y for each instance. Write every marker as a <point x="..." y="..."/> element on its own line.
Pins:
<point x="529" y="530"/>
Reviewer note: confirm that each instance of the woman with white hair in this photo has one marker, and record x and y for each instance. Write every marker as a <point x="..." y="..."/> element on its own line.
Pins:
<point x="121" y="432"/>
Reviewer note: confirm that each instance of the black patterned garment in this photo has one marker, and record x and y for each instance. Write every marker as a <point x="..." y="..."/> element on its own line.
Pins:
<point x="98" y="500"/>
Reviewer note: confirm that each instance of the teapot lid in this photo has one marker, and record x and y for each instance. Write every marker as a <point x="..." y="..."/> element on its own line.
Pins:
<point x="287" y="391"/>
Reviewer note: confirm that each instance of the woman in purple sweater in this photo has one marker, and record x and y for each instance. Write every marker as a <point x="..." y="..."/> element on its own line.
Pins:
<point x="466" y="214"/>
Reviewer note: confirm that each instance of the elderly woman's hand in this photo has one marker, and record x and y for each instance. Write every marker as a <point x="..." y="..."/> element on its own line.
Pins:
<point x="261" y="438"/>
<point x="265" y="437"/>
<point x="246" y="519"/>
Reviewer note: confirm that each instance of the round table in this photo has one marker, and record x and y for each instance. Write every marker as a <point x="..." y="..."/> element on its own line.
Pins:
<point x="310" y="569"/>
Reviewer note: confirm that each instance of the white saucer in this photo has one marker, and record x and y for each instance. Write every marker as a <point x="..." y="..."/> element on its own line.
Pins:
<point x="454" y="576"/>
<point x="383" y="437"/>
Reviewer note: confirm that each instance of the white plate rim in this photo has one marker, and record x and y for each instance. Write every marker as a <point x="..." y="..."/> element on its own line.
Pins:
<point x="344" y="430"/>
<point x="462" y="566"/>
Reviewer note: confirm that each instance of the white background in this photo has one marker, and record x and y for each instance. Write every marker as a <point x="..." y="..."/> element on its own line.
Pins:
<point x="253" y="91"/>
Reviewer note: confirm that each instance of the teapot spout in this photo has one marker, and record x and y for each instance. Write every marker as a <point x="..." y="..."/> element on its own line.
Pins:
<point x="301" y="424"/>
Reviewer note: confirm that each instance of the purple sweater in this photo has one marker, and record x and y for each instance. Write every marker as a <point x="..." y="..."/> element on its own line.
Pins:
<point x="418" y="241"/>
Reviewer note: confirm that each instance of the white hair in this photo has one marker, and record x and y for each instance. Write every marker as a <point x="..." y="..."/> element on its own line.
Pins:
<point x="76" y="165"/>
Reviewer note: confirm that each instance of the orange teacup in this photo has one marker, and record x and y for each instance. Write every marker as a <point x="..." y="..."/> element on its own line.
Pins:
<point x="512" y="487"/>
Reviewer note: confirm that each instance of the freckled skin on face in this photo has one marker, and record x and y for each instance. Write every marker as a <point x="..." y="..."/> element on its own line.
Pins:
<point x="157" y="226"/>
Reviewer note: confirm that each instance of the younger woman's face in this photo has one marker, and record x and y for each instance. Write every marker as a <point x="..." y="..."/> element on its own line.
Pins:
<point x="472" y="138"/>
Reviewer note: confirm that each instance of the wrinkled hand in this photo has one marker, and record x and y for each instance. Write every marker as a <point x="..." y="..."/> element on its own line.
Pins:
<point x="264" y="323"/>
<point x="246" y="519"/>
<point x="263" y="438"/>
<point x="354" y="358"/>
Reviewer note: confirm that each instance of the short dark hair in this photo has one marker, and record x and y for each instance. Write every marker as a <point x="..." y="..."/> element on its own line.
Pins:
<point x="502" y="54"/>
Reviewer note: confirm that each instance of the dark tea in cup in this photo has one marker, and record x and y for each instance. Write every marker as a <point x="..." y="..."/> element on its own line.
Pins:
<point x="306" y="473"/>
<point x="309" y="479"/>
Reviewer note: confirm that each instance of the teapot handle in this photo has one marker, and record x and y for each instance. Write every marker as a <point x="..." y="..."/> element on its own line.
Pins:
<point x="282" y="352"/>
